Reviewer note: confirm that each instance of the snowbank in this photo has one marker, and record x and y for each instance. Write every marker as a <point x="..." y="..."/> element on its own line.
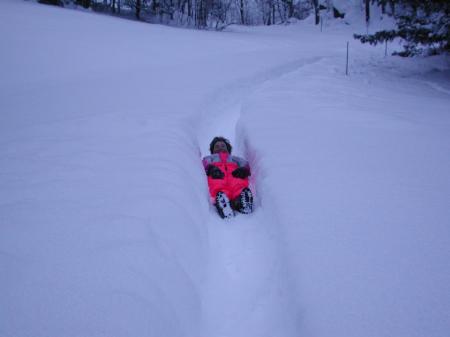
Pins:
<point x="356" y="170"/>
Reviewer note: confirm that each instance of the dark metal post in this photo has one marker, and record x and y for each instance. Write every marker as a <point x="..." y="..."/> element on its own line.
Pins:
<point x="346" y="65"/>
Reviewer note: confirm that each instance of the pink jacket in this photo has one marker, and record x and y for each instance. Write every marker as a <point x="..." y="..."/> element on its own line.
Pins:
<point x="227" y="163"/>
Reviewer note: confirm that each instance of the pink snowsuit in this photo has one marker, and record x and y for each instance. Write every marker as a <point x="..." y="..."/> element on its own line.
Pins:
<point x="227" y="163"/>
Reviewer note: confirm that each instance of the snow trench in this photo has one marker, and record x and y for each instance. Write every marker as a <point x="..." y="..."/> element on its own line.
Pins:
<point x="247" y="290"/>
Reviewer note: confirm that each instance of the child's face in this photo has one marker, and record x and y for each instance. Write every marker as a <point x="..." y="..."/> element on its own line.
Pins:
<point x="220" y="147"/>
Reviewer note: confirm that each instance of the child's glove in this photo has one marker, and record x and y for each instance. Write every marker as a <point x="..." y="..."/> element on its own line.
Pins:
<point x="214" y="172"/>
<point x="241" y="172"/>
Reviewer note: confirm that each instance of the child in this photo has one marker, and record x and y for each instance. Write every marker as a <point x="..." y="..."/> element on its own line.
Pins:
<point x="228" y="179"/>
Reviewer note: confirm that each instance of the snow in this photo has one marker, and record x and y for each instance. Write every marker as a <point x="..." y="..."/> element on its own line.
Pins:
<point x="369" y="240"/>
<point x="105" y="222"/>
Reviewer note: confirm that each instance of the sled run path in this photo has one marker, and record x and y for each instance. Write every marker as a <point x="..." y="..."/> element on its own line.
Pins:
<point x="247" y="290"/>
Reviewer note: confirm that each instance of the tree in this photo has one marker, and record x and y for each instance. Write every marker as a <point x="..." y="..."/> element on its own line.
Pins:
<point x="241" y="12"/>
<point x="138" y="9"/>
<point x="367" y="7"/>
<point x="84" y="3"/>
<point x="289" y="5"/>
<point x="219" y="12"/>
<point x="203" y="8"/>
<point x="316" y="11"/>
<point x="424" y="26"/>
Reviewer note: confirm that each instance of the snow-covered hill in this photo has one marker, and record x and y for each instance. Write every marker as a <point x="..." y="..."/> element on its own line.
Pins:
<point x="105" y="222"/>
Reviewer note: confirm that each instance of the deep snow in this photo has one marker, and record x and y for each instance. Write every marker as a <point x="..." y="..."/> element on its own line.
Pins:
<point x="105" y="222"/>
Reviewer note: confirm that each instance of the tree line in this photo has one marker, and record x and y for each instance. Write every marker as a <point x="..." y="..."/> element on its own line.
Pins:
<point x="215" y="14"/>
<point x="423" y="25"/>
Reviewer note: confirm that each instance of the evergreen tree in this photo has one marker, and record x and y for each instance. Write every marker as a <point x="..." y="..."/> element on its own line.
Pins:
<point x="424" y="26"/>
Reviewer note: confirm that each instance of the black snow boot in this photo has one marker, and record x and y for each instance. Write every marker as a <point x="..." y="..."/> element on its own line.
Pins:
<point x="245" y="201"/>
<point x="223" y="206"/>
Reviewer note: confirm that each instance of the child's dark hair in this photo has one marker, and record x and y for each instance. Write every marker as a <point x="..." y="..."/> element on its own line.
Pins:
<point x="218" y="139"/>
